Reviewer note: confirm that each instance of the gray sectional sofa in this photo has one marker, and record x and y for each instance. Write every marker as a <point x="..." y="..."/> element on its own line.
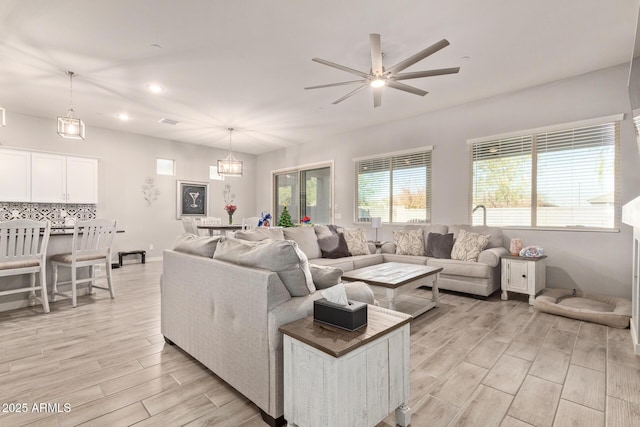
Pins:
<point x="226" y="314"/>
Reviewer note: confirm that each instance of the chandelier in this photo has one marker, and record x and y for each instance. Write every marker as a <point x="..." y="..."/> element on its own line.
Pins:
<point x="69" y="126"/>
<point x="230" y="166"/>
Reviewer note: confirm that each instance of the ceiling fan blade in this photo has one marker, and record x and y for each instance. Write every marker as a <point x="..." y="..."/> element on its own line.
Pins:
<point x="418" y="57"/>
<point x="430" y="73"/>
<point x="341" y="67"/>
<point x="376" y="54"/>
<point x="336" y="84"/>
<point x="406" y="88"/>
<point x="377" y="97"/>
<point x="350" y="94"/>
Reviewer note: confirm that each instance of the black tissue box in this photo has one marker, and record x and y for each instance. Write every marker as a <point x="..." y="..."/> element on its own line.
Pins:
<point x="350" y="317"/>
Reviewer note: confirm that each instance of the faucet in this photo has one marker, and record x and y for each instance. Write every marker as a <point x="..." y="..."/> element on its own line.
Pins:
<point x="484" y="213"/>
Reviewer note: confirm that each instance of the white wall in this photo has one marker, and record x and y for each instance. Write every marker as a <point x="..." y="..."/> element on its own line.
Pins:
<point x="591" y="261"/>
<point x="125" y="160"/>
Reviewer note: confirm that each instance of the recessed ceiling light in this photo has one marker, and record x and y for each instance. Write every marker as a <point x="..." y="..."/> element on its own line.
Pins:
<point x="155" y="88"/>
<point x="123" y="116"/>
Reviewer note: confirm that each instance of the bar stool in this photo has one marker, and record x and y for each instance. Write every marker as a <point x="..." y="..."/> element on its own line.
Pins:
<point x="23" y="250"/>
<point x="91" y="246"/>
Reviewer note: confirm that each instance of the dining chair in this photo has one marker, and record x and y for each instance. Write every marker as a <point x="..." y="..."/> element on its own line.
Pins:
<point x="249" y="223"/>
<point x="23" y="250"/>
<point x="91" y="246"/>
<point x="210" y="220"/>
<point x="189" y="225"/>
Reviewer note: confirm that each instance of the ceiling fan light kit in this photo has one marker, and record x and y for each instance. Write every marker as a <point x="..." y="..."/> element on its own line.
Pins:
<point x="69" y="126"/>
<point x="379" y="77"/>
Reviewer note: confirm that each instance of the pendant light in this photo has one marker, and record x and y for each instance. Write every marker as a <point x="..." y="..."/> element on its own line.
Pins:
<point x="69" y="126"/>
<point x="230" y="166"/>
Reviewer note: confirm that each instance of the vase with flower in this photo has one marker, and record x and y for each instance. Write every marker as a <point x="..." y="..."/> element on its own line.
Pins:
<point x="230" y="211"/>
<point x="229" y="197"/>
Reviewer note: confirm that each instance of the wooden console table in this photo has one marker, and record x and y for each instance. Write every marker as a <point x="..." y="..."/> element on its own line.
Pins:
<point x="334" y="377"/>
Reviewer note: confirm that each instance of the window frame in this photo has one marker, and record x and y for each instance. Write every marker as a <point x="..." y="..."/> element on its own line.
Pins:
<point x="390" y="156"/>
<point x="173" y="164"/>
<point x="614" y="118"/>
<point x="297" y="170"/>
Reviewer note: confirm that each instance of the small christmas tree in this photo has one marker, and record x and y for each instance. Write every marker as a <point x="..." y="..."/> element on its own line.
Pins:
<point x="285" y="218"/>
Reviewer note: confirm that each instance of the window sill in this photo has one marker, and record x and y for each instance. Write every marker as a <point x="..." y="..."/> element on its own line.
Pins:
<point x="571" y="229"/>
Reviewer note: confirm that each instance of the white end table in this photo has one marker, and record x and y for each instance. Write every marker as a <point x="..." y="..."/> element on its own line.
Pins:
<point x="523" y="275"/>
<point x="339" y="378"/>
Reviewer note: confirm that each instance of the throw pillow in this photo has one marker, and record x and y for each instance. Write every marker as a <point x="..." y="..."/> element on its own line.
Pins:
<point x="306" y="239"/>
<point x="196" y="245"/>
<point x="468" y="245"/>
<point x="325" y="276"/>
<point x="356" y="241"/>
<point x="334" y="246"/>
<point x="439" y="245"/>
<point x="280" y="256"/>
<point x="409" y="242"/>
<point x="260" y="233"/>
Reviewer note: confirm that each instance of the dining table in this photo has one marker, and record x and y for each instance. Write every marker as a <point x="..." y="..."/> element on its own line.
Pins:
<point x="219" y="227"/>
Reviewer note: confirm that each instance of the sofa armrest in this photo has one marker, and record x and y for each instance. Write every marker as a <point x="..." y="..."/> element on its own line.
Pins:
<point x="492" y="256"/>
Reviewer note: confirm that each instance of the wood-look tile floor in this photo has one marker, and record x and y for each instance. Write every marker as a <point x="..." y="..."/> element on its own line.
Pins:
<point x="473" y="363"/>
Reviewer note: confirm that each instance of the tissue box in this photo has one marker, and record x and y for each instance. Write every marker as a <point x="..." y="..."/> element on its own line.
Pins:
<point x="350" y="317"/>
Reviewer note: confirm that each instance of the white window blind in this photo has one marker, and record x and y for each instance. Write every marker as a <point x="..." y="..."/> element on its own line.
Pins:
<point x="564" y="178"/>
<point x="396" y="188"/>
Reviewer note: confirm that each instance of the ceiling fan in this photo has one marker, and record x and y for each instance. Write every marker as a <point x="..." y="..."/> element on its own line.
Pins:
<point x="379" y="77"/>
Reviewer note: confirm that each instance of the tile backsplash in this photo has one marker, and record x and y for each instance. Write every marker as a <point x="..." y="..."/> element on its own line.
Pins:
<point x="54" y="212"/>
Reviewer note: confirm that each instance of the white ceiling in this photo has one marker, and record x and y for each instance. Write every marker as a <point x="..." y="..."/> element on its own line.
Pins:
<point x="245" y="63"/>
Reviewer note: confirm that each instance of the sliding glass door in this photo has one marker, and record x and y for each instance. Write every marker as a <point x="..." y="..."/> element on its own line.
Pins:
<point x="305" y="192"/>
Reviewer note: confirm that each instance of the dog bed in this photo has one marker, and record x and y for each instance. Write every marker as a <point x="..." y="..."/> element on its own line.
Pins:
<point x="603" y="309"/>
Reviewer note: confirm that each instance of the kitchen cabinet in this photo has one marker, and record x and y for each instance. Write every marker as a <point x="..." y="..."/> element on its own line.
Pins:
<point x="15" y="175"/>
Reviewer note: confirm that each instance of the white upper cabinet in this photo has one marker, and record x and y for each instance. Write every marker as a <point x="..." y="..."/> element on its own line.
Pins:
<point x="82" y="180"/>
<point x="47" y="178"/>
<point x="15" y="175"/>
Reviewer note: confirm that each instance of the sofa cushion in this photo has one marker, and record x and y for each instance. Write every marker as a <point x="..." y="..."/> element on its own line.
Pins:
<point x="196" y="245"/>
<point x="496" y="233"/>
<point x="260" y="233"/>
<point x="280" y="256"/>
<point x="306" y="239"/>
<point x="325" y="276"/>
<point x="409" y="242"/>
<point x="325" y="230"/>
<point x="356" y="240"/>
<point x="333" y="246"/>
<point x="461" y="268"/>
<point x="468" y="245"/>
<point x="407" y="259"/>
<point x="439" y="245"/>
<point x="361" y="261"/>
<point x="344" y="264"/>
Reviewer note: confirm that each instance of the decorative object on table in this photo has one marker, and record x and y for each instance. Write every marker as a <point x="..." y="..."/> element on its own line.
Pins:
<point x="515" y="246"/>
<point x="192" y="199"/>
<point x="230" y="166"/>
<point x="149" y="190"/>
<point x="306" y="220"/>
<point x="376" y="222"/>
<point x="532" y="252"/>
<point x="229" y="198"/>
<point x="69" y="126"/>
<point x="265" y="219"/>
<point x="285" y="218"/>
<point x="336" y="310"/>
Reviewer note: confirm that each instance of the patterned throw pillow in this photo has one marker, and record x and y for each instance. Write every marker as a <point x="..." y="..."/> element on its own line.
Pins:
<point x="409" y="242"/>
<point x="356" y="241"/>
<point x="468" y="245"/>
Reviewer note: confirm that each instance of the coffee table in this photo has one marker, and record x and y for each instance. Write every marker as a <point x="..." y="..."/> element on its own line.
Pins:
<point x="395" y="278"/>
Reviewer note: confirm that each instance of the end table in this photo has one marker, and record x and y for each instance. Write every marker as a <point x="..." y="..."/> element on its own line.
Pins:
<point x="523" y="275"/>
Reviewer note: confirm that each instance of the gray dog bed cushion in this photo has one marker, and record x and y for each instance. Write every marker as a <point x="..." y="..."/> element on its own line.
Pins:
<point x="603" y="309"/>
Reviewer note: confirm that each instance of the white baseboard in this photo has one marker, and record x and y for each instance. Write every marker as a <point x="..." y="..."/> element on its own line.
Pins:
<point x="634" y="337"/>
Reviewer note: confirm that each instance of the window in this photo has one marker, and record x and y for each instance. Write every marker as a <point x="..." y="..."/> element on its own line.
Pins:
<point x="213" y="173"/>
<point x="555" y="178"/>
<point x="395" y="187"/>
<point x="305" y="191"/>
<point x="165" y="167"/>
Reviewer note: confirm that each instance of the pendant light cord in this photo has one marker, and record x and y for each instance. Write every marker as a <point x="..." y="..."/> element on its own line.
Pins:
<point x="230" y="131"/>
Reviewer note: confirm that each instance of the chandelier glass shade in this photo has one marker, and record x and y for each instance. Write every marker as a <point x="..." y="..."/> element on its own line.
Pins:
<point x="230" y="166"/>
<point x="69" y="126"/>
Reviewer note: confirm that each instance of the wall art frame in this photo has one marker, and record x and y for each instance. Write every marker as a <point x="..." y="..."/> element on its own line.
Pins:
<point x="192" y="199"/>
